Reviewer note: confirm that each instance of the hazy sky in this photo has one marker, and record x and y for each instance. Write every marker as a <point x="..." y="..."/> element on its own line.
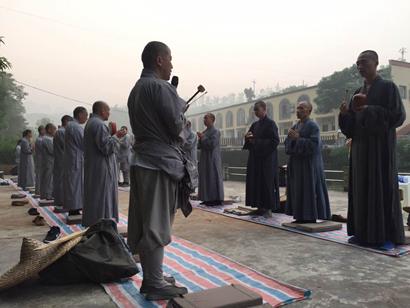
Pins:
<point x="91" y="50"/>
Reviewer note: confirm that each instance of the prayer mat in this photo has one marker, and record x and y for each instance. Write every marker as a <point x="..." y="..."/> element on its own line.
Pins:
<point x="337" y="236"/>
<point x="193" y="266"/>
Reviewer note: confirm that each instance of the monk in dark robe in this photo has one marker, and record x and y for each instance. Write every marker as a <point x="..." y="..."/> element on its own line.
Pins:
<point x="307" y="197"/>
<point x="262" y="185"/>
<point x="371" y="119"/>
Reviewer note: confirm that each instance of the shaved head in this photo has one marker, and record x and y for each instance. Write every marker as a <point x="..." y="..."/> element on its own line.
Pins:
<point x="370" y="54"/>
<point x="99" y="106"/>
<point x="152" y="51"/>
<point x="308" y="105"/>
<point x="102" y="109"/>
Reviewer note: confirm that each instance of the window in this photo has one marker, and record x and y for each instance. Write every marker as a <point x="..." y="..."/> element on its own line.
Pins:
<point x="403" y="92"/>
<point x="304" y="98"/>
<point x="240" y="117"/>
<point x="219" y="121"/>
<point x="325" y="128"/>
<point x="193" y="124"/>
<point x="285" y="109"/>
<point x="252" y="116"/>
<point x="269" y="108"/>
<point x="229" y="119"/>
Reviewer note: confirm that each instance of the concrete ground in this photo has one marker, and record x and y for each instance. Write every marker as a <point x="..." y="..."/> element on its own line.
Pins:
<point x="338" y="275"/>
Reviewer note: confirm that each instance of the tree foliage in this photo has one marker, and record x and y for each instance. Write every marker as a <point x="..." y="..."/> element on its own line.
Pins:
<point x="4" y="63"/>
<point x="331" y="90"/>
<point x="43" y="121"/>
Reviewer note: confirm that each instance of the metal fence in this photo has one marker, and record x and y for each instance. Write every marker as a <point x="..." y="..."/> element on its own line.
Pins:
<point x="238" y="142"/>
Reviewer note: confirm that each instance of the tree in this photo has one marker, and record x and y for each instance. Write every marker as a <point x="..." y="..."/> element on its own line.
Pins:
<point x="331" y="90"/>
<point x="42" y="121"/>
<point x="249" y="93"/>
<point x="4" y="63"/>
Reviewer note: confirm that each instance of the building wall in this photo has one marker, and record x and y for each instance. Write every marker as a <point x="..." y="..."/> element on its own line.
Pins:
<point x="401" y="76"/>
<point x="234" y="121"/>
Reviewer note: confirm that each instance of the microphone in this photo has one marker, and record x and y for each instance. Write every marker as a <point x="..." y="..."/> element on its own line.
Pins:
<point x="175" y="81"/>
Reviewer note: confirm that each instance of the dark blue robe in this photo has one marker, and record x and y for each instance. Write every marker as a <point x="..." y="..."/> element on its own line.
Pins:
<point x="262" y="185"/>
<point x="307" y="197"/>
<point x="374" y="213"/>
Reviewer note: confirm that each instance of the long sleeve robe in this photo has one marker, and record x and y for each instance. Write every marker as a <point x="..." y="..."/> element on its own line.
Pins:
<point x="47" y="168"/>
<point x="210" y="167"/>
<point x="374" y="212"/>
<point x="73" y="170"/>
<point x="26" y="168"/>
<point x="38" y="148"/>
<point x="190" y="145"/>
<point x="262" y="183"/>
<point x="100" y="173"/>
<point x="58" y="189"/>
<point x="156" y="117"/>
<point x="307" y="197"/>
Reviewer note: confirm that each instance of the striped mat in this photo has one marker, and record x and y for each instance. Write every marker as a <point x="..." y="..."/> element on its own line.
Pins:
<point x="194" y="267"/>
<point x="338" y="236"/>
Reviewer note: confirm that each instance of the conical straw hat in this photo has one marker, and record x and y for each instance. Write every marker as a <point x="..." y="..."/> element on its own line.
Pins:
<point x="36" y="256"/>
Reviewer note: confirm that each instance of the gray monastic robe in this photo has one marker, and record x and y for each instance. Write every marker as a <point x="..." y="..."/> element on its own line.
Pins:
<point x="73" y="171"/>
<point x="37" y="162"/>
<point x="47" y="168"/>
<point x="58" y="167"/>
<point x="190" y="145"/>
<point x="26" y="169"/>
<point x="190" y="148"/>
<point x="156" y="117"/>
<point x="100" y="173"/>
<point x="210" y="167"/>
<point x="307" y="197"/>
<point x="123" y="156"/>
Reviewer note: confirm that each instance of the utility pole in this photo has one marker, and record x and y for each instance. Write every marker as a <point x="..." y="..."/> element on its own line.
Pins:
<point x="403" y="51"/>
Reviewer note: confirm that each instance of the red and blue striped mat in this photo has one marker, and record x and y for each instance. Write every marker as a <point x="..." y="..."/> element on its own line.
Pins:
<point x="194" y="267"/>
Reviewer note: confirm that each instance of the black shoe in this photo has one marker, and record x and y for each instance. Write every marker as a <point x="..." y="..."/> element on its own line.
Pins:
<point x="169" y="279"/>
<point x="74" y="212"/>
<point x="33" y="212"/>
<point x="165" y="293"/>
<point x="125" y="184"/>
<point x="52" y="234"/>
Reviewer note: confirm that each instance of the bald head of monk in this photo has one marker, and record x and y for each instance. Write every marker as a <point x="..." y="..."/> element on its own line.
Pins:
<point x="303" y="110"/>
<point x="51" y="129"/>
<point x="367" y="63"/>
<point x="156" y="56"/>
<point x="101" y="109"/>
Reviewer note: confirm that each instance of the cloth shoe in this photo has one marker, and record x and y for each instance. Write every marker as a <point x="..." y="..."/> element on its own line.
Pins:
<point x="52" y="234"/>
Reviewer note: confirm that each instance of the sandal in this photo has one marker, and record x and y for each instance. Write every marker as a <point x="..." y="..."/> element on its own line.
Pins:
<point x="39" y="221"/>
<point x="19" y="203"/>
<point x="33" y="211"/>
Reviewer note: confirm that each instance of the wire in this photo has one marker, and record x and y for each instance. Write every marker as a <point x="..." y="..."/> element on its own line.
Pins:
<point x="52" y="93"/>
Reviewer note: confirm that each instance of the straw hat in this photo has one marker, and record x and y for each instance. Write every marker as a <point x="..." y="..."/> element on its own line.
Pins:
<point x="36" y="256"/>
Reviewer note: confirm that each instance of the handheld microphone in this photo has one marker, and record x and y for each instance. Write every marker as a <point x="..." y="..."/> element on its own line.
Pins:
<point x="175" y="81"/>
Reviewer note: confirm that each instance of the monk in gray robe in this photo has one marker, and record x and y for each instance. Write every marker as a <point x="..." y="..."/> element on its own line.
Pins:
<point x="307" y="197"/>
<point x="156" y="116"/>
<point x="190" y="145"/>
<point x="123" y="157"/>
<point x="47" y="163"/>
<point x="190" y="148"/>
<point x="100" y="168"/>
<point x="73" y="174"/>
<point x="38" y="157"/>
<point x="211" y="189"/>
<point x="58" y="189"/>
<point x="26" y="168"/>
<point x="374" y="214"/>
